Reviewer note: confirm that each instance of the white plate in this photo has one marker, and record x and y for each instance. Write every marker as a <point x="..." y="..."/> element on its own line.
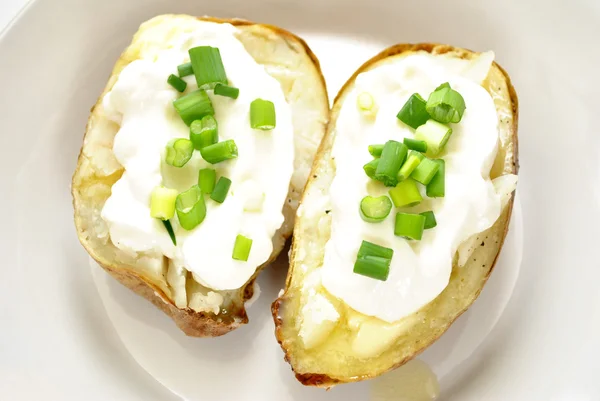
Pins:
<point x="68" y="334"/>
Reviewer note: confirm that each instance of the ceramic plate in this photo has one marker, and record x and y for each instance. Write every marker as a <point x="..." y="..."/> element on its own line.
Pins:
<point x="71" y="333"/>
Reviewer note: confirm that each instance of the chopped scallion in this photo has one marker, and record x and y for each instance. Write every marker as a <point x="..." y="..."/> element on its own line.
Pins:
<point x="183" y="70"/>
<point x="206" y="180"/>
<point x="375" y="150"/>
<point x="365" y="102"/>
<point x="430" y="221"/>
<point x="162" y="203"/>
<point x="446" y="105"/>
<point x="411" y="163"/>
<point x="221" y="190"/>
<point x="220" y="151"/>
<point x="190" y="207"/>
<point x="241" y="248"/>
<point x="375" y="209"/>
<point x="169" y="229"/>
<point x="371" y="167"/>
<point x="391" y="160"/>
<point x="194" y="106"/>
<point x="370" y="249"/>
<point x="406" y="194"/>
<point x="208" y="66"/>
<point x="227" y="91"/>
<point x="413" y="113"/>
<point x="413" y="144"/>
<point x="425" y="171"/>
<point x="409" y="225"/>
<point x="373" y="261"/>
<point x="178" y="152"/>
<point x="262" y="114"/>
<point x="204" y="132"/>
<point x="435" y="134"/>
<point x="437" y="186"/>
<point x="177" y="83"/>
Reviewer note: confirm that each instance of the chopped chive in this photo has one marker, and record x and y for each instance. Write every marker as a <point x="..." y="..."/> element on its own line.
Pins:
<point x="208" y="66"/>
<point x="391" y="160"/>
<point x="190" y="207"/>
<point x="425" y="171"/>
<point x="227" y="91"/>
<point x="409" y="225"/>
<point x="206" y="180"/>
<point x="375" y="210"/>
<point x="437" y="186"/>
<point x="373" y="261"/>
<point x="365" y="101"/>
<point x="262" y="114"/>
<point x="241" y="248"/>
<point x="375" y="150"/>
<point x="413" y="144"/>
<point x="406" y="194"/>
<point x="194" y="106"/>
<point x="371" y="249"/>
<point x="371" y="167"/>
<point x="162" y="203"/>
<point x="413" y="113"/>
<point x="446" y="105"/>
<point x="220" y="151"/>
<point x="430" y="221"/>
<point x="178" y="152"/>
<point x="435" y="134"/>
<point x="374" y="267"/>
<point x="185" y="69"/>
<point x="204" y="132"/>
<point x="221" y="190"/>
<point x="177" y="83"/>
<point x="169" y="228"/>
<point x="411" y="163"/>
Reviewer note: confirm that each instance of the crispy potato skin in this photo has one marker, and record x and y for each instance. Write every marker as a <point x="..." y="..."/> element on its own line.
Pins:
<point x="232" y="315"/>
<point x="281" y="315"/>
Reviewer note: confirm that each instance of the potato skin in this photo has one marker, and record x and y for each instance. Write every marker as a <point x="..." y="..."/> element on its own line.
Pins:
<point x="314" y="368"/>
<point x="91" y="184"/>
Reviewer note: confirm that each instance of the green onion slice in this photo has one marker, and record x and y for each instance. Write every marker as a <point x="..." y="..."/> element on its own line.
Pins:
<point x="411" y="163"/>
<point x="437" y="186"/>
<point x="204" y="132"/>
<point x="227" y="91"/>
<point x="177" y="83"/>
<point x="370" y="249"/>
<point x="190" y="207"/>
<point x="435" y="134"/>
<point x="262" y="114"/>
<point x="208" y="66"/>
<point x="241" y="248"/>
<point x="430" y="221"/>
<point x="194" y="106"/>
<point x="178" y="152"/>
<point x="406" y="194"/>
<point x="409" y="225"/>
<point x="162" y="203"/>
<point x="365" y="102"/>
<point x="446" y="105"/>
<point x="425" y="171"/>
<point x="371" y="167"/>
<point x="414" y="112"/>
<point x="391" y="160"/>
<point x="220" y="151"/>
<point x="413" y="144"/>
<point x="206" y="180"/>
<point x="375" y="210"/>
<point x="373" y="261"/>
<point x="221" y="190"/>
<point x="183" y="70"/>
<point x="375" y="150"/>
<point x="169" y="228"/>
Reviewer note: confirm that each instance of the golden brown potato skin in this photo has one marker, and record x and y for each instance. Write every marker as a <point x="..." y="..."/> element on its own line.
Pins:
<point x="316" y="367"/>
<point x="93" y="178"/>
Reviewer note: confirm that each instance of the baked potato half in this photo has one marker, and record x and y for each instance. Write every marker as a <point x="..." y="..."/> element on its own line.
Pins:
<point x="333" y="358"/>
<point x="196" y="309"/>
